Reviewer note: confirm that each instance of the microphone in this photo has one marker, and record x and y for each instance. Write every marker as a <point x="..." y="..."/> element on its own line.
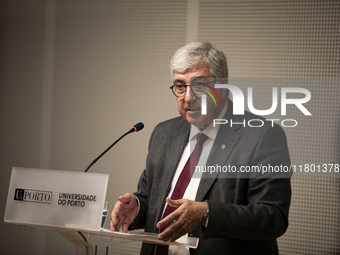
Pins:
<point x="139" y="126"/>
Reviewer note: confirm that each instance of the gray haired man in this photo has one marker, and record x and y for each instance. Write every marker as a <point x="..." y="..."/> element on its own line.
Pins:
<point x="229" y="214"/>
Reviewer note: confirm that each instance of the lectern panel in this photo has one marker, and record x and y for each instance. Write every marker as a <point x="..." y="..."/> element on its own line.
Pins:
<point x="56" y="198"/>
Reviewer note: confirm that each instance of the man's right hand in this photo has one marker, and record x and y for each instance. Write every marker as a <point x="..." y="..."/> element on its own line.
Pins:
<point x="124" y="212"/>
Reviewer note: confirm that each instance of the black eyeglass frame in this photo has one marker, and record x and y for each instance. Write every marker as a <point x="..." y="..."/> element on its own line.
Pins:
<point x="185" y="86"/>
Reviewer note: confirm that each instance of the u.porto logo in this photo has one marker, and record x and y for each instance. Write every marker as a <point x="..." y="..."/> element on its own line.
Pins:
<point x="34" y="196"/>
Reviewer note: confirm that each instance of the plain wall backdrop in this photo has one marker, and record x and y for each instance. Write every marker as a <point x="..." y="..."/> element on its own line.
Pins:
<point x="75" y="75"/>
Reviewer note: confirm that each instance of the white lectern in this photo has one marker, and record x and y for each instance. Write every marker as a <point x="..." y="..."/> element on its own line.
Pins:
<point x="67" y="202"/>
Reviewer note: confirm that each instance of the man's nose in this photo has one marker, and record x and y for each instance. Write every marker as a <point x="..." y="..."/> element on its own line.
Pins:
<point x="189" y="96"/>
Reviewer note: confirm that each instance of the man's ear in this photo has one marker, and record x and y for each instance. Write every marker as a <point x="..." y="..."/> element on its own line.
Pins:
<point x="224" y="81"/>
<point x="225" y="91"/>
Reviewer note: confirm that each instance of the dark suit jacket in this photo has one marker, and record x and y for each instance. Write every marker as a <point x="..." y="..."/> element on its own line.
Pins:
<point x="246" y="214"/>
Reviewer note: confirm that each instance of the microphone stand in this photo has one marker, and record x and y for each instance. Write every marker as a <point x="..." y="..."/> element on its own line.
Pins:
<point x="96" y="159"/>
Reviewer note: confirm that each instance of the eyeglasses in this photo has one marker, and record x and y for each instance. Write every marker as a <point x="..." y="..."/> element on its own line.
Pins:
<point x="197" y="87"/>
<point x="179" y="90"/>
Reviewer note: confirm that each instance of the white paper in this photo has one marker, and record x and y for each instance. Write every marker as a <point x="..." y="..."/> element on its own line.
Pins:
<point x="190" y="242"/>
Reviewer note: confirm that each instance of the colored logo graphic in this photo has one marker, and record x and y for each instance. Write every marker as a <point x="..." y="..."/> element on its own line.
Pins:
<point x="204" y="97"/>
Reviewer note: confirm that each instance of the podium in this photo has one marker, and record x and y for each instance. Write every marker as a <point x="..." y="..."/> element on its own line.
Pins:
<point x="70" y="203"/>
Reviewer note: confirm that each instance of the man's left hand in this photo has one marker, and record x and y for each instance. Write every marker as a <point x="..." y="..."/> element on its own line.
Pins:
<point x="187" y="217"/>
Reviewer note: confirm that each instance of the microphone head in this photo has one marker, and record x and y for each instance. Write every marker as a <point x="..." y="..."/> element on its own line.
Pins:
<point x="138" y="126"/>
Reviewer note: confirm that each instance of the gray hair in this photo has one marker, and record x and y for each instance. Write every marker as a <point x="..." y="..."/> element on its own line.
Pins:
<point x="196" y="53"/>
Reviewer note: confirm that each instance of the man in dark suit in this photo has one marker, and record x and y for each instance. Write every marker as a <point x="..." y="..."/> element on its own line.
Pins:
<point x="230" y="212"/>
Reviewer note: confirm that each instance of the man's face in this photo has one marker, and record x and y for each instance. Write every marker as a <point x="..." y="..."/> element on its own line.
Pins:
<point x="189" y="106"/>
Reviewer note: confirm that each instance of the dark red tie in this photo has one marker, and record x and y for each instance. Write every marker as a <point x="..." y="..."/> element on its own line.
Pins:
<point x="182" y="184"/>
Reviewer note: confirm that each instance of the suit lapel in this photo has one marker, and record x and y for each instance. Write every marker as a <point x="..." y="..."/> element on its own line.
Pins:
<point x="225" y="141"/>
<point x="178" y="141"/>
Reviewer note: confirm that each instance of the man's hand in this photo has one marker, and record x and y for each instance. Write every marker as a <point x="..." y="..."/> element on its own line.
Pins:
<point x="187" y="217"/>
<point x="124" y="212"/>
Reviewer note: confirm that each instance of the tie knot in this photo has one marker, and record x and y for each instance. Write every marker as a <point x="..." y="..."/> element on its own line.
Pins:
<point x="201" y="138"/>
